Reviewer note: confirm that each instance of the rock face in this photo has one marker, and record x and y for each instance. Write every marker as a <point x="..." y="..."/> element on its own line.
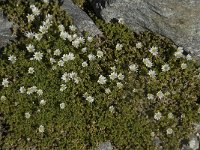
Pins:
<point x="80" y="18"/>
<point x="105" y="146"/>
<point x="178" y="20"/>
<point x="5" y="32"/>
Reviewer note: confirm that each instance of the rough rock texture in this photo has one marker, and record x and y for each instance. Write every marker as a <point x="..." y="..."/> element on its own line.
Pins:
<point x="80" y="18"/>
<point x="105" y="146"/>
<point x="5" y="32"/>
<point x="178" y="20"/>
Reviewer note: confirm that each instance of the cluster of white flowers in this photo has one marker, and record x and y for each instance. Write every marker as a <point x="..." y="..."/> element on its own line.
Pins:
<point x="68" y="57"/>
<point x="88" y="97"/>
<point x="133" y="67"/>
<point x="147" y="62"/>
<point x="30" y="90"/>
<point x="70" y="76"/>
<point x="154" y="51"/>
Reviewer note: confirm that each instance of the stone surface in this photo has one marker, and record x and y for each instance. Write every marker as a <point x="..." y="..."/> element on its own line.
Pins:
<point x="105" y="146"/>
<point x="178" y="20"/>
<point x="80" y="18"/>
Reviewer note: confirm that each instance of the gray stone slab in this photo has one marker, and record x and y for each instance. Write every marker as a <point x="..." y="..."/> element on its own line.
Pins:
<point x="105" y="146"/>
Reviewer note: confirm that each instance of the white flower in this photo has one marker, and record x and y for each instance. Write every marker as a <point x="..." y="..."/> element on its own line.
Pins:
<point x="91" y="57"/>
<point x="41" y="128"/>
<point x="35" y="10"/>
<point x="170" y="115"/>
<point x="73" y="75"/>
<point x="90" y="39"/>
<point x="99" y="54"/>
<point x="61" y="63"/>
<point x="90" y="99"/>
<point x="61" y="28"/>
<point x="139" y="45"/>
<point x="29" y="35"/>
<point x="169" y="131"/>
<point x="165" y="68"/>
<point x="72" y="28"/>
<point x="147" y="62"/>
<point x="38" y="36"/>
<point x="107" y="91"/>
<point x="179" y="52"/>
<point x="152" y="73"/>
<point x="31" y="90"/>
<point x="38" y="56"/>
<point x="30" y="17"/>
<point x="5" y="82"/>
<point x="42" y="102"/>
<point x="194" y="144"/>
<point x="113" y="68"/>
<point x="30" y="48"/>
<point x="81" y="40"/>
<point x="76" y="80"/>
<point x="113" y="75"/>
<point x="119" y="85"/>
<point x="46" y="1"/>
<point x="121" y="21"/>
<point x="67" y="57"/>
<point x="43" y="29"/>
<point x="111" y="108"/>
<point x="52" y="60"/>
<point x="31" y="70"/>
<point x="120" y="76"/>
<point x="65" y="77"/>
<point x="183" y="66"/>
<point x="3" y="98"/>
<point x="102" y="79"/>
<point x="76" y="43"/>
<point x="133" y="67"/>
<point x="27" y="115"/>
<point x="62" y="87"/>
<point x="119" y="46"/>
<point x="160" y="95"/>
<point x="85" y="95"/>
<point x="39" y="92"/>
<point x="150" y="96"/>
<point x="157" y="116"/>
<point x="12" y="58"/>
<point x="154" y="51"/>
<point x="22" y="89"/>
<point x="57" y="52"/>
<point x="189" y="57"/>
<point x="84" y="64"/>
<point x="62" y="105"/>
<point x="84" y="49"/>
<point x="64" y="35"/>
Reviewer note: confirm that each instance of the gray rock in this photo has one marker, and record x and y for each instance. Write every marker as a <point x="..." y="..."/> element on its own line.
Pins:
<point x="5" y="32"/>
<point x="105" y="146"/>
<point x="80" y="18"/>
<point x="178" y="20"/>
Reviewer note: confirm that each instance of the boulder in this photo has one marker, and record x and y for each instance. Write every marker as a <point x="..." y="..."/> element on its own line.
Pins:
<point x="105" y="146"/>
<point x="81" y="20"/>
<point x="178" y="20"/>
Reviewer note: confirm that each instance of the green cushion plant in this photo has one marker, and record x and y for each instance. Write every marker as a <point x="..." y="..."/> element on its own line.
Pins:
<point x="61" y="90"/>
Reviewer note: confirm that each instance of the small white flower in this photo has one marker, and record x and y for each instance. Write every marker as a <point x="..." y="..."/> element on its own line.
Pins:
<point x="111" y="108"/>
<point x="39" y="92"/>
<point x="160" y="94"/>
<point x="179" y="52"/>
<point x="183" y="66"/>
<point x="121" y="21"/>
<point x="30" y="70"/>
<point x="150" y="96"/>
<point x="62" y="105"/>
<point x="61" y="28"/>
<point x="152" y="73"/>
<point x="38" y="56"/>
<point x="133" y="67"/>
<point x="76" y="43"/>
<point x="120" y="76"/>
<point x="169" y="131"/>
<point x="91" y="57"/>
<point x="46" y="1"/>
<point x="43" y="29"/>
<point x="90" y="99"/>
<point x="52" y="60"/>
<point x="147" y="62"/>
<point x="30" y="17"/>
<point x="72" y="28"/>
<point x="73" y="75"/>
<point x="84" y="49"/>
<point x="99" y="54"/>
<point x="119" y="46"/>
<point x="3" y="98"/>
<point x="42" y="102"/>
<point x="113" y="75"/>
<point x="139" y="45"/>
<point x="67" y="57"/>
<point x="170" y="115"/>
<point x="165" y="68"/>
<point x="157" y="116"/>
<point x="154" y="51"/>
<point x="5" y="82"/>
<point x="62" y="87"/>
<point x="113" y="68"/>
<point x="38" y="36"/>
<point x="84" y="64"/>
<point x="57" y="52"/>
<point x="194" y="144"/>
<point x="35" y="10"/>
<point x="89" y="39"/>
<point x="102" y="80"/>
<point x="107" y="91"/>
<point x="54" y="67"/>
<point x="30" y="48"/>
<point x="64" y="35"/>
<point x="41" y="128"/>
<point x="22" y="89"/>
<point x="61" y="63"/>
<point x="81" y="40"/>
<point x="27" y="115"/>
<point x="189" y="57"/>
<point x="119" y="85"/>
<point x="12" y="58"/>
<point x="29" y="35"/>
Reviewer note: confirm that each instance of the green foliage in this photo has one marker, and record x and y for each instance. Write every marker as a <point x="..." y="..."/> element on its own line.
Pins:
<point x="125" y="115"/>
